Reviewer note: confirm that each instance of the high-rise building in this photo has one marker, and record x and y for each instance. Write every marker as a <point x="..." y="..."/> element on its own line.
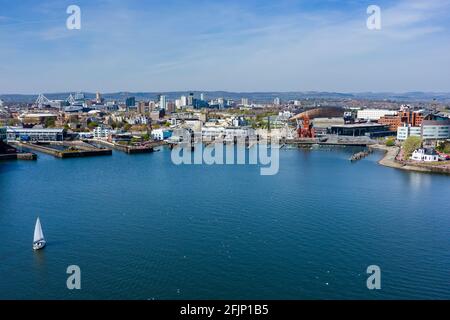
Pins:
<point x="162" y="102"/>
<point x="190" y="101"/>
<point x="244" y="101"/>
<point x="183" y="101"/>
<point x="130" y="102"/>
<point x="170" y="107"/>
<point x="202" y="96"/>
<point x="98" y="97"/>
<point x="277" y="101"/>
<point x="142" y="108"/>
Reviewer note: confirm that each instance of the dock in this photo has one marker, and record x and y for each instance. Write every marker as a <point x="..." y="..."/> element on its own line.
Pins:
<point x="65" y="149"/>
<point x="130" y="149"/>
<point x="18" y="156"/>
<point x="334" y="141"/>
<point x="8" y="152"/>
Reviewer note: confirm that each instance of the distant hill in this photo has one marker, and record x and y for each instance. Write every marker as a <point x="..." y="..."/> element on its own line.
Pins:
<point x="252" y="96"/>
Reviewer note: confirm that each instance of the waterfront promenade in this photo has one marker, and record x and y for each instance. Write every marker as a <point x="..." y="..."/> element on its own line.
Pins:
<point x="389" y="160"/>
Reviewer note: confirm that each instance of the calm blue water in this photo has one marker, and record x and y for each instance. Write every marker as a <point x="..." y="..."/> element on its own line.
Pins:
<point x="140" y="227"/>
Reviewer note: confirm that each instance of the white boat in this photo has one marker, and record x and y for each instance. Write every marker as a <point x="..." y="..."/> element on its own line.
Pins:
<point x="38" y="240"/>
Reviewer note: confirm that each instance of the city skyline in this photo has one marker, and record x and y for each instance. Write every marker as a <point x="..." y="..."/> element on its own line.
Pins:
<point x="231" y="46"/>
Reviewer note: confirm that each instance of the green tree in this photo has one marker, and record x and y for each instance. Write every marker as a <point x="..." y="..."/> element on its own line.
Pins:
<point x="410" y="144"/>
<point x="444" y="147"/>
<point x="13" y="122"/>
<point x="390" y="142"/>
<point x="49" y="122"/>
<point x="92" y="125"/>
<point x="127" y="127"/>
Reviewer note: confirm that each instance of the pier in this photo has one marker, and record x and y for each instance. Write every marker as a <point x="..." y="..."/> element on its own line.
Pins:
<point x="65" y="149"/>
<point x="314" y="141"/>
<point x="8" y="152"/>
<point x="130" y="149"/>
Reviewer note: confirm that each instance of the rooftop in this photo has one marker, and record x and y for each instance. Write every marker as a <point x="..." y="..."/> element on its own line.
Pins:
<point x="358" y="125"/>
<point x="56" y="130"/>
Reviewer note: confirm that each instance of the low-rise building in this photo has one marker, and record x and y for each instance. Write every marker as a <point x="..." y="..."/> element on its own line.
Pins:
<point x="405" y="117"/>
<point x="371" y="130"/>
<point x="374" y="114"/>
<point x="34" y="134"/>
<point x="406" y="131"/>
<point x="435" y="129"/>
<point x="161" y="134"/>
<point x="31" y="119"/>
<point x="85" y="135"/>
<point x="101" y="132"/>
<point x="425" y="154"/>
<point x="429" y="130"/>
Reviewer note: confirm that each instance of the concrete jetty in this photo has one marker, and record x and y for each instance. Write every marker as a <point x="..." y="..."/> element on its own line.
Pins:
<point x="65" y="149"/>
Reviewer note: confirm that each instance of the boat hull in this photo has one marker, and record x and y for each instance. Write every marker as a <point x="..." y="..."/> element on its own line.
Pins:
<point x="38" y="245"/>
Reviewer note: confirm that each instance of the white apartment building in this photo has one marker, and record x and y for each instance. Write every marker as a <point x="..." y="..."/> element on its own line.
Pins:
<point x="161" y="134"/>
<point x="406" y="131"/>
<point x="101" y="132"/>
<point x="374" y="114"/>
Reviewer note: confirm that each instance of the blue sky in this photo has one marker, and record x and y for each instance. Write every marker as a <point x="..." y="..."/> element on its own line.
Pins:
<point x="245" y="45"/>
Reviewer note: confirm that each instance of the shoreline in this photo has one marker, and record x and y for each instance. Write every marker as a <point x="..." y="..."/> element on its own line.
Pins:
<point x="388" y="160"/>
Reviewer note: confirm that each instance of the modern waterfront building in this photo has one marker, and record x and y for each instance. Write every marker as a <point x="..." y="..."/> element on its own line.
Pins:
<point x="408" y="131"/>
<point x="101" y="132"/>
<point x="429" y="130"/>
<point x="161" y="134"/>
<point x="436" y="129"/>
<point x="374" y="114"/>
<point x="277" y="101"/>
<point x="412" y="118"/>
<point x="34" y="134"/>
<point x="361" y="129"/>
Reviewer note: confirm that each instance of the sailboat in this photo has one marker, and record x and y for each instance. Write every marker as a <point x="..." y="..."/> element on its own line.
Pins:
<point x="38" y="241"/>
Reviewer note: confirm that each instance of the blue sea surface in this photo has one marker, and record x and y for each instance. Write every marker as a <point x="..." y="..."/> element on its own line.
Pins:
<point x="140" y="227"/>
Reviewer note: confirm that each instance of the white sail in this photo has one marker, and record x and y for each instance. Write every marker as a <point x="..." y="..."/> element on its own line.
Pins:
<point x="38" y="234"/>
